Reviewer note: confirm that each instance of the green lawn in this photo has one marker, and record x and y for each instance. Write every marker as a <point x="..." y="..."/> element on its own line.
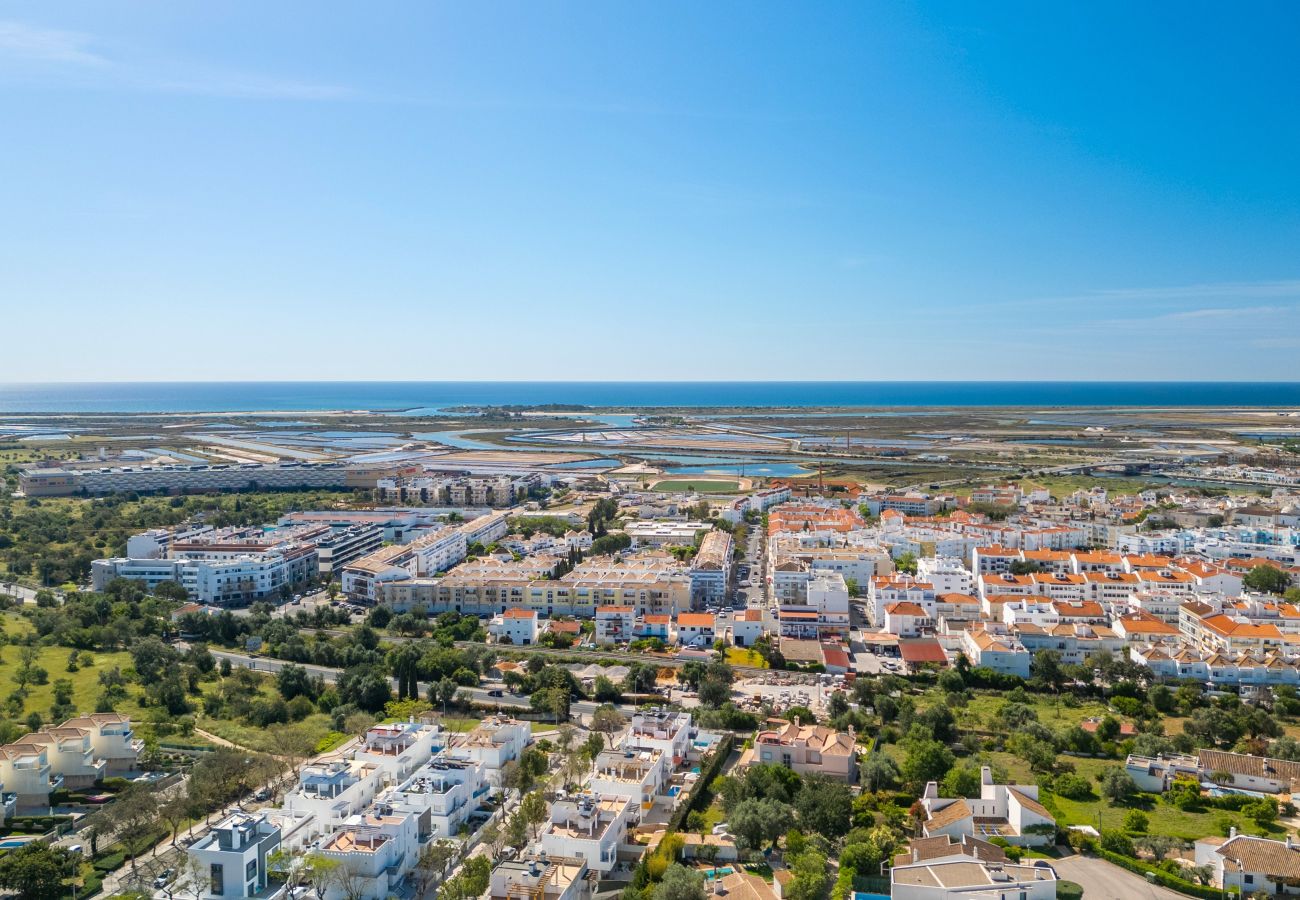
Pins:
<point x="700" y="487"/>
<point x="740" y="656"/>
<point x="54" y="660"/>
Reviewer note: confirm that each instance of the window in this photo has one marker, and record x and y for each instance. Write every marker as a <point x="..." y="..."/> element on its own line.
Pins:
<point x="217" y="878"/>
<point x="250" y="870"/>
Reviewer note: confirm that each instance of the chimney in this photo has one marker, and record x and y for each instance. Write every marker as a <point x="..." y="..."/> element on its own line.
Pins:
<point x="1232" y="832"/>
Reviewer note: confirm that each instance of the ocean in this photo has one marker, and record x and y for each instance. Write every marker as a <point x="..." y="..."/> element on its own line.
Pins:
<point x="429" y="397"/>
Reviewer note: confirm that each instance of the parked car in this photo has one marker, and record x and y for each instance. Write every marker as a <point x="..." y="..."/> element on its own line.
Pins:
<point x="496" y="692"/>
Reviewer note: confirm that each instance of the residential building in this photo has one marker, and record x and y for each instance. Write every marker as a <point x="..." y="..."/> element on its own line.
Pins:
<point x="638" y="775"/>
<point x="113" y="740"/>
<point x="993" y="646"/>
<point x="614" y="624"/>
<point x="551" y="878"/>
<point x="399" y="748"/>
<point x="374" y="852"/>
<point x="516" y="626"/>
<point x="332" y="792"/>
<point x="806" y="749"/>
<point x="589" y="827"/>
<point x="494" y="742"/>
<point x="666" y="731"/>
<point x="696" y="629"/>
<point x="444" y="792"/>
<point x="711" y="569"/>
<point x="1251" y="866"/>
<point x="662" y="533"/>
<point x="232" y="856"/>
<point x="26" y="773"/>
<point x="71" y="755"/>
<point x="1009" y="811"/>
<point x="746" y="627"/>
<point x="969" y="879"/>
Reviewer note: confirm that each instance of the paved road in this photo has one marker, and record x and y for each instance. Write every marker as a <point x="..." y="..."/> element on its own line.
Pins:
<point x="1105" y="881"/>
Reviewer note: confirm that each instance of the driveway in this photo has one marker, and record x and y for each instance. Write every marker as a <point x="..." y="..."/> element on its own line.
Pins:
<point x="1104" y="881"/>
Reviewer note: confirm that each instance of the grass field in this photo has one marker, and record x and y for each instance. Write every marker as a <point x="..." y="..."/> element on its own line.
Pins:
<point x="739" y="656"/>
<point x="699" y="486"/>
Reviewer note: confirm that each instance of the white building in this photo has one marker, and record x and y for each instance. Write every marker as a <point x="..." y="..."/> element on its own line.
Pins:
<point x="590" y="827"/>
<point x="614" y="624"/>
<point x="637" y="775"/>
<point x="1009" y="811"/>
<point x="399" y="748"/>
<point x="516" y="626"/>
<point x="664" y="730"/>
<point x="947" y="574"/>
<point x="374" y="852"/>
<point x="232" y="857"/>
<point x="333" y="792"/>
<point x="447" y="790"/>
<point x="552" y="878"/>
<point x="496" y="741"/>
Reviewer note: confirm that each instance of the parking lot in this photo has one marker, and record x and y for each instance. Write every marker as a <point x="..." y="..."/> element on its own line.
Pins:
<point x="785" y="689"/>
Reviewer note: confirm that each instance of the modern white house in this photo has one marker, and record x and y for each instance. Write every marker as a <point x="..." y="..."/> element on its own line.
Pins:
<point x="496" y="741"/>
<point x="638" y="775"/>
<point x="1008" y="811"/>
<point x="516" y="626"/>
<point x="447" y="790"/>
<point x="232" y="856"/>
<point x="331" y="792"/>
<point x="397" y="749"/>
<point x="667" y="731"/>
<point x="590" y="827"/>
<point x="374" y="852"/>
<point x="552" y="878"/>
<point x="71" y="755"/>
<point x="26" y="773"/>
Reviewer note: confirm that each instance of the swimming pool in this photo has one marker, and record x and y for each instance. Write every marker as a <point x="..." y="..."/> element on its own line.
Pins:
<point x="14" y="843"/>
<point x="718" y="873"/>
<point x="674" y="790"/>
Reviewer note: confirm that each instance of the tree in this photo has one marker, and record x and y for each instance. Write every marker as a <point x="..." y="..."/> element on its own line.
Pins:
<point x="1117" y="785"/>
<point x="714" y="693"/>
<point x="961" y="781"/>
<point x="926" y="761"/>
<point x="605" y="691"/>
<point x="608" y="721"/>
<point x="680" y="883"/>
<point x="879" y="773"/>
<point x="293" y="681"/>
<point x="1266" y="579"/>
<point x="906" y="563"/>
<point x="1136" y="821"/>
<point x="534" y="810"/>
<point x="811" y="879"/>
<point x="757" y="822"/>
<point x="35" y="871"/>
<point x="1045" y="668"/>
<point x="432" y="863"/>
<point x="825" y="807"/>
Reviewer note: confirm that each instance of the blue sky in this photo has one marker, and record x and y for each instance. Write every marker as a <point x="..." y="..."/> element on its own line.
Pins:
<point x="539" y="190"/>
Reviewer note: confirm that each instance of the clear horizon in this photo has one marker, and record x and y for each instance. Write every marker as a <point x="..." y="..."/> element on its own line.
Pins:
<point x="861" y="192"/>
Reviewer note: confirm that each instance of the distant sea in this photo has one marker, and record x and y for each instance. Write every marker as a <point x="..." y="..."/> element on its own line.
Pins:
<point x="428" y="397"/>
